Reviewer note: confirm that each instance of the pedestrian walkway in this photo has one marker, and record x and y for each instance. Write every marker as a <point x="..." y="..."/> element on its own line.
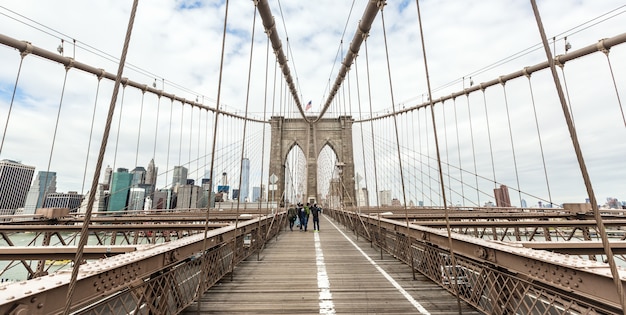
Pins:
<point x="326" y="272"/>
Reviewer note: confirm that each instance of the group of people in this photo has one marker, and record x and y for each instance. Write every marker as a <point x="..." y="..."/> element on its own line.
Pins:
<point x="301" y="214"/>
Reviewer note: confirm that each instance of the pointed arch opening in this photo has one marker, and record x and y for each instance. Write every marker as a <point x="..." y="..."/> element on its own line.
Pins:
<point x="295" y="175"/>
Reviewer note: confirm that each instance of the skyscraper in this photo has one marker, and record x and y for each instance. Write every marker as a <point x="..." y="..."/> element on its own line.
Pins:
<point x="244" y="190"/>
<point x="136" y="198"/>
<point x="120" y="186"/>
<point x="256" y="194"/>
<point x="44" y="184"/>
<point x="384" y="197"/>
<point x="180" y="176"/>
<point x="15" y="179"/>
<point x="151" y="174"/>
<point x="139" y="175"/>
<point x="107" y="177"/>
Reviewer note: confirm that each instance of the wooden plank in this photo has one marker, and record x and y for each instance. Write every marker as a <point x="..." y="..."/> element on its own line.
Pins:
<point x="285" y="280"/>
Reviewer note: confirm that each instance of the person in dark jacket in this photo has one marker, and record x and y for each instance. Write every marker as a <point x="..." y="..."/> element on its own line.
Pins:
<point x="292" y="214"/>
<point x="315" y="211"/>
<point x="301" y="215"/>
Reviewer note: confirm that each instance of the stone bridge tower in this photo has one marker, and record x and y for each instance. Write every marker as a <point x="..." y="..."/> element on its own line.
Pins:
<point x="312" y="137"/>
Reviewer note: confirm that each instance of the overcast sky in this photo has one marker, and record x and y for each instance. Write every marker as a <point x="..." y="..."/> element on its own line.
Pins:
<point x="178" y="44"/>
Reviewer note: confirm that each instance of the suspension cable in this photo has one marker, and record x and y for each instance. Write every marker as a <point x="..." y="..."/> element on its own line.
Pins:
<point x="143" y="95"/>
<point x="54" y="135"/>
<point x="543" y="158"/>
<point x="94" y="185"/>
<point x="469" y="114"/>
<point x="369" y="95"/>
<point x="169" y="146"/>
<point x="493" y="166"/>
<point x="581" y="162"/>
<point x="508" y="118"/>
<point x="443" y="192"/>
<point x="17" y="79"/>
<point x="619" y="101"/>
<point x="93" y="118"/>
<point x="119" y="125"/>
<point x="243" y="145"/>
<point x="395" y="125"/>
<point x="201" y="284"/>
<point x="458" y="150"/>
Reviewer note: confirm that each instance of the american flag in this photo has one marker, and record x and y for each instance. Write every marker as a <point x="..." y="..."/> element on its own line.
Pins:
<point x="308" y="105"/>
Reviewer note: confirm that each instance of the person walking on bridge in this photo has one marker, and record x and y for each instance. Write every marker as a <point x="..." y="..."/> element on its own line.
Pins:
<point x="301" y="214"/>
<point x="315" y="211"/>
<point x="292" y="214"/>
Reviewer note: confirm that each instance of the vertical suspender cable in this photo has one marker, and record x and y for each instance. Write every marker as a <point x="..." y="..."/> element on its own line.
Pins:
<point x="581" y="162"/>
<point x="143" y="95"/>
<point x="369" y="93"/>
<point x="397" y="137"/>
<point x="469" y="113"/>
<point x="190" y="138"/>
<point x="267" y="58"/>
<point x="17" y="79"/>
<point x="201" y="284"/>
<point x="443" y="192"/>
<point x="543" y="159"/>
<point x="84" y="235"/>
<point x="156" y="129"/>
<point x="243" y="142"/>
<point x="180" y="138"/>
<point x="508" y="118"/>
<point x="493" y="166"/>
<point x="445" y="136"/>
<point x="54" y="136"/>
<point x="119" y="125"/>
<point x="619" y="101"/>
<point x="169" y="142"/>
<point x="458" y="150"/>
<point x="93" y="118"/>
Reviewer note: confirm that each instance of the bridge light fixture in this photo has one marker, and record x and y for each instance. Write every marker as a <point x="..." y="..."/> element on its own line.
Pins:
<point x="568" y="46"/>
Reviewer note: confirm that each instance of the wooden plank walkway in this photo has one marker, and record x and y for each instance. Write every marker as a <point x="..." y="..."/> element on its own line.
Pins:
<point x="330" y="272"/>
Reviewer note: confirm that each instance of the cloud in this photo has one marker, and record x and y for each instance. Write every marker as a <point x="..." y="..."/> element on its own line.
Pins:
<point x="178" y="44"/>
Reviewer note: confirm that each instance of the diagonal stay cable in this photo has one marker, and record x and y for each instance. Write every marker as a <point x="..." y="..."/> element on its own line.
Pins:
<point x="94" y="185"/>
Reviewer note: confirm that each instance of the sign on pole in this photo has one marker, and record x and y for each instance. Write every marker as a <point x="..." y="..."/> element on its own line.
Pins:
<point x="273" y="179"/>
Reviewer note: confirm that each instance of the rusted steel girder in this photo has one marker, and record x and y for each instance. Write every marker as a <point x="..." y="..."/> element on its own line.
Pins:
<point x="106" y="278"/>
<point x="44" y="253"/>
<point x="585" y="279"/>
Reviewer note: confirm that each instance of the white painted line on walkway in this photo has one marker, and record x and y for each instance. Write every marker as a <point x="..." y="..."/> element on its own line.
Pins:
<point x="411" y="300"/>
<point x="327" y="307"/>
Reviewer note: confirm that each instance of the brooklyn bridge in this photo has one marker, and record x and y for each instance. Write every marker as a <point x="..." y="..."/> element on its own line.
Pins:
<point x="151" y="153"/>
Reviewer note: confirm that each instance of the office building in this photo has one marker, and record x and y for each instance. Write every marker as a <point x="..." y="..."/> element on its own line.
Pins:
<point x="362" y="197"/>
<point x="139" y="175"/>
<point x="244" y="190"/>
<point x="100" y="200"/>
<point x="120" y="186"/>
<point x="187" y="197"/>
<point x="162" y="199"/>
<point x="136" y="198"/>
<point x="384" y="197"/>
<point x="179" y="178"/>
<point x="44" y="184"/>
<point x="71" y="200"/>
<point x="15" y="180"/>
<point x="256" y="194"/>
